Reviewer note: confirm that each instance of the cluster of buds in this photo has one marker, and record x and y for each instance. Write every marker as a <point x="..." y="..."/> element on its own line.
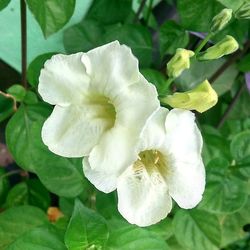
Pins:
<point x="202" y="97"/>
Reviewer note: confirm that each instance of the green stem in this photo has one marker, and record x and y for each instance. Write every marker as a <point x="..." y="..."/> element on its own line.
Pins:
<point x="166" y="86"/>
<point x="24" y="42"/>
<point x="139" y="11"/>
<point x="203" y="43"/>
<point x="149" y="11"/>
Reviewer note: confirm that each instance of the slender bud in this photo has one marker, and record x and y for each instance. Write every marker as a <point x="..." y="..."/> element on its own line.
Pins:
<point x="201" y="98"/>
<point x="224" y="47"/>
<point x="221" y="20"/>
<point x="179" y="62"/>
<point x="244" y="11"/>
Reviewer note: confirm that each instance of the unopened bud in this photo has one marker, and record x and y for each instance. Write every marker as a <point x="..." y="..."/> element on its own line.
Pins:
<point x="244" y="11"/>
<point x="179" y="62"/>
<point x="224" y="47"/>
<point x="221" y="20"/>
<point x="201" y="98"/>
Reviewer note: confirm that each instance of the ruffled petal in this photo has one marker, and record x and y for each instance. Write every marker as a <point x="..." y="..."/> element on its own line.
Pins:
<point x="111" y="67"/>
<point x="115" y="151"/>
<point x="103" y="182"/>
<point x="153" y="134"/>
<point x="187" y="181"/>
<point x="117" y="148"/>
<point x="183" y="137"/>
<point x="136" y="104"/>
<point x="72" y="131"/>
<point x="143" y="199"/>
<point x="63" y="79"/>
<point x="183" y="144"/>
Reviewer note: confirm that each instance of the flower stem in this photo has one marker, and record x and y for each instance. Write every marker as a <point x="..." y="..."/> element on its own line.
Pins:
<point x="149" y="11"/>
<point x="23" y="42"/>
<point x="203" y="43"/>
<point x="139" y="11"/>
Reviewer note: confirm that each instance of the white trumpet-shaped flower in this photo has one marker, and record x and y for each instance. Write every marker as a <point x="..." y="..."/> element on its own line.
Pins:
<point x="101" y="104"/>
<point x="168" y="166"/>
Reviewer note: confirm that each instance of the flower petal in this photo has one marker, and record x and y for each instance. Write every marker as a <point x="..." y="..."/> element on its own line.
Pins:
<point x="153" y="133"/>
<point x="72" y="131"/>
<point x="143" y="199"/>
<point x="187" y="182"/>
<point x="182" y="134"/>
<point x="184" y="144"/>
<point x="62" y="79"/>
<point x="115" y="151"/>
<point x="111" y="67"/>
<point x="135" y="104"/>
<point x="117" y="148"/>
<point x="103" y="182"/>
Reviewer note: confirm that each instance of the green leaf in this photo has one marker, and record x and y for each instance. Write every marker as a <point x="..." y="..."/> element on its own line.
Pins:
<point x="232" y="4"/>
<point x="200" y="71"/>
<point x="35" y="67"/>
<point x="242" y="104"/>
<point x="30" y="98"/>
<point x="23" y="134"/>
<point x="172" y="37"/>
<point x="38" y="195"/>
<point x="106" y="204"/>
<point x="110" y="11"/>
<point x="215" y="145"/>
<point x="4" y="3"/>
<point x="40" y="238"/>
<point x="244" y="64"/>
<point x="196" y="230"/>
<point x="86" y="229"/>
<point x="124" y="236"/>
<point x="31" y="192"/>
<point x="240" y="146"/>
<point x="196" y="15"/>
<point x="156" y="78"/>
<point x="164" y="228"/>
<point x="4" y="185"/>
<point x="18" y="220"/>
<point x="17" y="196"/>
<point x="137" y="37"/>
<point x="83" y="36"/>
<point x="17" y="91"/>
<point x="7" y="106"/>
<point x="51" y="15"/>
<point x="229" y="190"/>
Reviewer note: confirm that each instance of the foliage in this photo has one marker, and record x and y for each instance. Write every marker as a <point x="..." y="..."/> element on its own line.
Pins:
<point x="90" y="219"/>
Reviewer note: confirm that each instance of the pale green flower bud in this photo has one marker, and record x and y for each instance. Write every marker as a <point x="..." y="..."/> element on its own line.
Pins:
<point x="244" y="11"/>
<point x="221" y="20"/>
<point x="224" y="47"/>
<point x="201" y="98"/>
<point x="179" y="62"/>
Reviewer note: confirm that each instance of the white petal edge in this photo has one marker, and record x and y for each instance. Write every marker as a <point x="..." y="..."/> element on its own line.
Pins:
<point x="72" y="131"/>
<point x="153" y="133"/>
<point x="118" y="146"/>
<point x="187" y="182"/>
<point x="183" y="137"/>
<point x="111" y="67"/>
<point x="103" y="182"/>
<point x="183" y="144"/>
<point x="63" y="79"/>
<point x="142" y="199"/>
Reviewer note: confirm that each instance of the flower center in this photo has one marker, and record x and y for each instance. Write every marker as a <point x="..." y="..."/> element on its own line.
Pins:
<point x="102" y="108"/>
<point x="152" y="161"/>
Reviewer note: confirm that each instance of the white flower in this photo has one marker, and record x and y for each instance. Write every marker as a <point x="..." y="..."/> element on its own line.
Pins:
<point x="168" y="166"/>
<point x="101" y="104"/>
